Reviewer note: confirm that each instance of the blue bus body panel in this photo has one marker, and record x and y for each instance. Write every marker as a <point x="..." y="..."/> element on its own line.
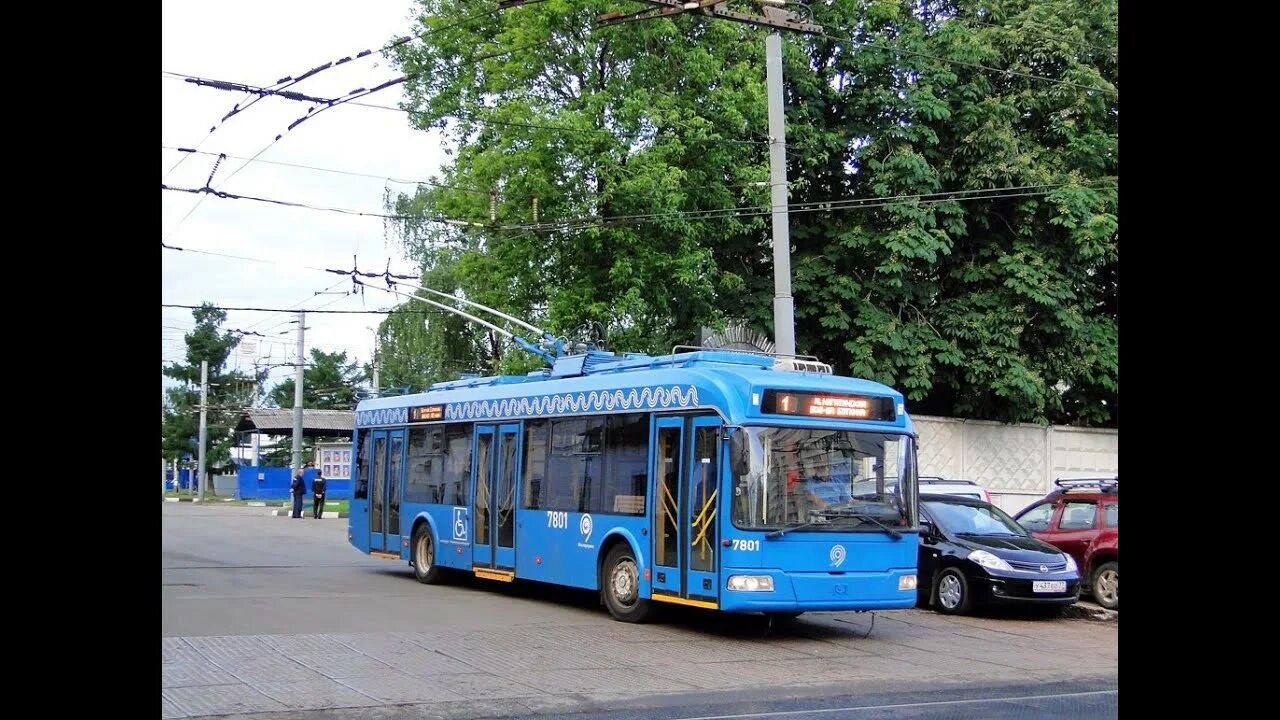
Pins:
<point x="565" y="547"/>
<point x="569" y="555"/>
<point x="446" y="522"/>
<point x="805" y="592"/>
<point x="822" y="570"/>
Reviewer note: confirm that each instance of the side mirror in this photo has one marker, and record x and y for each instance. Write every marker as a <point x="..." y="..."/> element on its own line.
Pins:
<point x="739" y="454"/>
<point x="926" y="529"/>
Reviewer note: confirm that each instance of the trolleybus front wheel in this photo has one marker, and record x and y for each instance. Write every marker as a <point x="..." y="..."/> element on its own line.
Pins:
<point x="621" y="586"/>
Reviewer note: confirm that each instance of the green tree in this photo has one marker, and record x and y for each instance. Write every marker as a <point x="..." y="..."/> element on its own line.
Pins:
<point x="229" y="392"/>
<point x="999" y="308"/>
<point x="630" y="120"/>
<point x="975" y="268"/>
<point x="330" y="382"/>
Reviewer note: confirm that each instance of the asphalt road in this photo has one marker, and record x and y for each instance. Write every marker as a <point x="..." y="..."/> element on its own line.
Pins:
<point x="268" y="617"/>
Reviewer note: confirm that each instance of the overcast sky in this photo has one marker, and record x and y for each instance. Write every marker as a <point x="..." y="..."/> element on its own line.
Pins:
<point x="257" y="43"/>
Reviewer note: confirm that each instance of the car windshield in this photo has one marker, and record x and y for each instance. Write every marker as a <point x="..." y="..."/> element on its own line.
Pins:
<point x="806" y="476"/>
<point x="964" y="519"/>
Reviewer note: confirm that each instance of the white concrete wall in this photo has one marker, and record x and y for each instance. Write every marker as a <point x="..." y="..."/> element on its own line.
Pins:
<point x="1017" y="464"/>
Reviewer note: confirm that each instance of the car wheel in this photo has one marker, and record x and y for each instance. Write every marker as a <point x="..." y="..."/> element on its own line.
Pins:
<point x="423" y="556"/>
<point x="621" y="586"/>
<point x="951" y="593"/>
<point x="1106" y="585"/>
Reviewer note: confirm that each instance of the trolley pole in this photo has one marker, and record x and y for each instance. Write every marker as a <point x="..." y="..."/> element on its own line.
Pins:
<point x="204" y="424"/>
<point x="297" y="397"/>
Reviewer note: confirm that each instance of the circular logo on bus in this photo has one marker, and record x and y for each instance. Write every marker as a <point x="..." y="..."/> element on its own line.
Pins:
<point x="837" y="555"/>
<point x="584" y="526"/>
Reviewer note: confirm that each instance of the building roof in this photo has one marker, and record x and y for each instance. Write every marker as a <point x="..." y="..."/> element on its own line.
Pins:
<point x="315" y="423"/>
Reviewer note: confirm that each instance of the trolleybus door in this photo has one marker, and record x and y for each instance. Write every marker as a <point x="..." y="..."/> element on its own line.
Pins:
<point x="667" y="446"/>
<point x="703" y="519"/>
<point x="384" y="496"/>
<point x="496" y="454"/>
<point x="686" y="461"/>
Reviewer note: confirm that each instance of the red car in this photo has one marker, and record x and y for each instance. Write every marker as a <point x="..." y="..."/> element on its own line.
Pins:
<point x="1082" y="519"/>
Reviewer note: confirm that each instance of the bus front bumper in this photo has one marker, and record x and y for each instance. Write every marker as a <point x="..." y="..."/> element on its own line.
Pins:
<point x="892" y="589"/>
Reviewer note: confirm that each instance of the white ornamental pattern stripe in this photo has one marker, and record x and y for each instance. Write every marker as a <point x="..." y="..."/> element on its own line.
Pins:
<point x="383" y="416"/>
<point x="647" y="398"/>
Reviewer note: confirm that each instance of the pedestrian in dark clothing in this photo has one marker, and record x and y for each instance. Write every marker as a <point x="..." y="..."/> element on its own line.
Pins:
<point x="299" y="488"/>
<point x="317" y="494"/>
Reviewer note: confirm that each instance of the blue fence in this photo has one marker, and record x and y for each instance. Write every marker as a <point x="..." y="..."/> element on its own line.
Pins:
<point x="272" y="483"/>
<point x="184" y="479"/>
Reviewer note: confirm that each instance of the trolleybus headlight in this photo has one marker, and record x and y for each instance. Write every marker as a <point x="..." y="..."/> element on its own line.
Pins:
<point x="987" y="560"/>
<point x="906" y="582"/>
<point x="751" y="583"/>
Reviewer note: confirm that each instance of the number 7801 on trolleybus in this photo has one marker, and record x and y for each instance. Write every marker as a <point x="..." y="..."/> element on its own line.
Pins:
<point x="710" y="478"/>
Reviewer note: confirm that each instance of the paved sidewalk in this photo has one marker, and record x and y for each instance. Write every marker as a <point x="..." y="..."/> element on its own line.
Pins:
<point x="555" y="666"/>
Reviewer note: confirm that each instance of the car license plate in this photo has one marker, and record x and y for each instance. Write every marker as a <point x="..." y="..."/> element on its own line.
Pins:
<point x="1049" y="586"/>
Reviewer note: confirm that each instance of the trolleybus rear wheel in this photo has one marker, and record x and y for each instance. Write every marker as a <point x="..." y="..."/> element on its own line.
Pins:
<point x="423" y="556"/>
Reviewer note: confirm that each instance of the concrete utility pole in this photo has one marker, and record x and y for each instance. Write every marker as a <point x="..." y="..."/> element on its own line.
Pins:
<point x="204" y="424"/>
<point x="376" y="387"/>
<point x="784" y="319"/>
<point x="774" y="16"/>
<point x="164" y="466"/>
<point x="297" y="397"/>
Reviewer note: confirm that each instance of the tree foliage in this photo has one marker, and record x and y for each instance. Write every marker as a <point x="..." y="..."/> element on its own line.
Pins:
<point x="228" y="393"/>
<point x="975" y="269"/>
<point x="330" y="382"/>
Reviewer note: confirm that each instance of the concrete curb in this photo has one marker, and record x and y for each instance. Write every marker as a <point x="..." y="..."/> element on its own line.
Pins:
<point x="286" y="512"/>
<point x="1090" y="611"/>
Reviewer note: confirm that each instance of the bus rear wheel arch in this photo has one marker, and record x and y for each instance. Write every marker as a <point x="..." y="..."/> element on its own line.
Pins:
<point x="620" y="584"/>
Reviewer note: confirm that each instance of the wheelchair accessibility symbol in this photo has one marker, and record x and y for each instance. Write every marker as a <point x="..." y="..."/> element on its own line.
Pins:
<point x="460" y="524"/>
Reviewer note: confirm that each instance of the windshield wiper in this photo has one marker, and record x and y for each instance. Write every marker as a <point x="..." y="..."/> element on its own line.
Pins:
<point x="863" y="516"/>
<point x="821" y="519"/>
<point x="780" y="531"/>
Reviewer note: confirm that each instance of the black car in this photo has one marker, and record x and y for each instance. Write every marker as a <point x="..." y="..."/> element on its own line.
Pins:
<point x="971" y="553"/>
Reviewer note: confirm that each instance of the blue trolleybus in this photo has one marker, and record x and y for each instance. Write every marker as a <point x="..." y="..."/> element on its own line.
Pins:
<point x="716" y="479"/>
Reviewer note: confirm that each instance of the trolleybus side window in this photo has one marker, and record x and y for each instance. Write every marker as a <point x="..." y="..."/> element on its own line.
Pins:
<point x="626" y="449"/>
<point x="362" y="467"/>
<point x="425" y="482"/>
<point x="457" y="464"/>
<point x="575" y="464"/>
<point x="534" y="496"/>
